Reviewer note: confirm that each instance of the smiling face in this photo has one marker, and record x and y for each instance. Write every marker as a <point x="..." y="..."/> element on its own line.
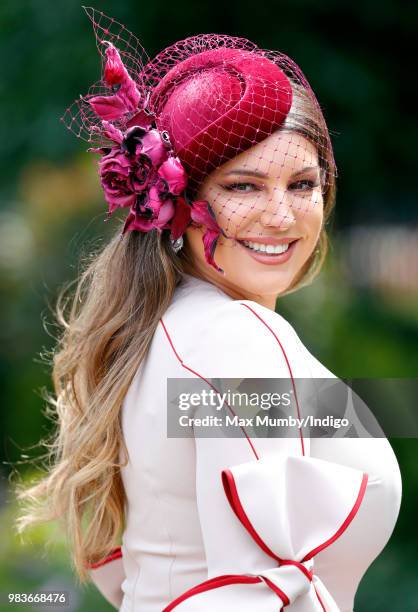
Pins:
<point x="266" y="199"/>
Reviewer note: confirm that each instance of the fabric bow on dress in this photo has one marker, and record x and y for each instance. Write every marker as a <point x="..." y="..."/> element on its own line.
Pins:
<point x="292" y="507"/>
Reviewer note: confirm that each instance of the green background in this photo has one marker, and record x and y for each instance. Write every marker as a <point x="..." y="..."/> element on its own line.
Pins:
<point x="359" y="59"/>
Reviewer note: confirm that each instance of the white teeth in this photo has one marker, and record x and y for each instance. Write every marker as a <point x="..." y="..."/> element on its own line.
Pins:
<point x="267" y="248"/>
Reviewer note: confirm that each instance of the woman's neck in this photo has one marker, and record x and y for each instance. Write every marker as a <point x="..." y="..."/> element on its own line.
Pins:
<point x="236" y="293"/>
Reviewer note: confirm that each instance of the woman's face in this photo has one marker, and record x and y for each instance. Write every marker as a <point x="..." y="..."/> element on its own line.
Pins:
<point x="267" y="195"/>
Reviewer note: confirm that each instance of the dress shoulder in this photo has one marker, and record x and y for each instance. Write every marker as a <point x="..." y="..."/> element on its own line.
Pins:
<point x="228" y="338"/>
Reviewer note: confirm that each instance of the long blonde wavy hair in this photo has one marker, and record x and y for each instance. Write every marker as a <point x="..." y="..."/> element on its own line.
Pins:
<point x="107" y="323"/>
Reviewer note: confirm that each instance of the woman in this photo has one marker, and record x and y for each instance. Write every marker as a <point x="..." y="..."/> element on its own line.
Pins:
<point x="221" y="153"/>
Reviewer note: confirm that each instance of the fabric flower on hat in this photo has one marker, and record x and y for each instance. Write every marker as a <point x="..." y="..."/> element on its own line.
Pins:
<point x="115" y="171"/>
<point x="139" y="170"/>
<point x="126" y="96"/>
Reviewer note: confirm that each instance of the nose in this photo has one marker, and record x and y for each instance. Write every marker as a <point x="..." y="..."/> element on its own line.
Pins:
<point x="278" y="212"/>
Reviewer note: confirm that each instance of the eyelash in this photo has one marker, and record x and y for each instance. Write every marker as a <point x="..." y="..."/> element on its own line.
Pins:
<point x="232" y="186"/>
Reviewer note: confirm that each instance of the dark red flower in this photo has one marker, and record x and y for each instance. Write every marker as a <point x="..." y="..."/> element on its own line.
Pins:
<point x="150" y="212"/>
<point x="143" y="173"/>
<point x="174" y="174"/>
<point x="115" y="178"/>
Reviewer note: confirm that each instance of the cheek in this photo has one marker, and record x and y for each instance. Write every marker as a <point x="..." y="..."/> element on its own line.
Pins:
<point x="194" y="242"/>
<point x="231" y="210"/>
<point x="313" y="219"/>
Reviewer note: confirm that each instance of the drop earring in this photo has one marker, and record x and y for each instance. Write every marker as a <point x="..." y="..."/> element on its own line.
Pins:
<point x="177" y="244"/>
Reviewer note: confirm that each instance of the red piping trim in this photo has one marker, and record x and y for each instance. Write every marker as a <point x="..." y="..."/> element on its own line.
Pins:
<point x="279" y="592"/>
<point x="231" y="492"/>
<point x="212" y="583"/>
<point x="116" y="553"/>
<point x="347" y="521"/>
<point x="319" y="598"/>
<point x="213" y="387"/>
<point x="288" y="365"/>
<point x="299" y="565"/>
<point x="186" y="367"/>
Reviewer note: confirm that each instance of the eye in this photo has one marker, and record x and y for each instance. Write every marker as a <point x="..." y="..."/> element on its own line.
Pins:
<point x="298" y="185"/>
<point x="241" y="187"/>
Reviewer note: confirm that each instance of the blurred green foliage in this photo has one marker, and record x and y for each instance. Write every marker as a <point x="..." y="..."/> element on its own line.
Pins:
<point x="360" y="62"/>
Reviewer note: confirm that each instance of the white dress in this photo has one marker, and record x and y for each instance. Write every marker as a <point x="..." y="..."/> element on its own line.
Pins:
<point x="250" y="523"/>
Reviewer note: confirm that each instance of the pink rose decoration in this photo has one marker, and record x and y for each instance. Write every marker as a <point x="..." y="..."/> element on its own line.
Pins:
<point x="115" y="178"/>
<point x="150" y="212"/>
<point x="153" y="146"/>
<point x="143" y="173"/>
<point x="173" y="173"/>
<point x="139" y="170"/>
<point x="138" y="141"/>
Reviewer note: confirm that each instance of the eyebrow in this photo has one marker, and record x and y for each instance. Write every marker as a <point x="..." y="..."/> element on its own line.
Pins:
<point x="244" y="172"/>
